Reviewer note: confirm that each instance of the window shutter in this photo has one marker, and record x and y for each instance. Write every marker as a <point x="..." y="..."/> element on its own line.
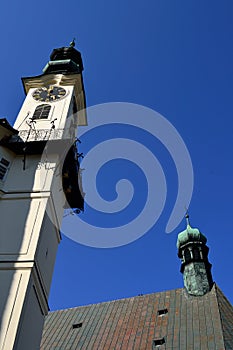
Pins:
<point x="4" y="165"/>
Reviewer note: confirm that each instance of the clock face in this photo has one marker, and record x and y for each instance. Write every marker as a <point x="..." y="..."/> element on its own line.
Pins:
<point x="49" y="94"/>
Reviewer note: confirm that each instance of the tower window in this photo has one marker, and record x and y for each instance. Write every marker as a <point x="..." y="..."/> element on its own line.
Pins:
<point x="41" y="112"/>
<point x="77" y="325"/>
<point x="196" y="254"/>
<point x="158" y="342"/>
<point x="4" y="165"/>
<point x="187" y="255"/>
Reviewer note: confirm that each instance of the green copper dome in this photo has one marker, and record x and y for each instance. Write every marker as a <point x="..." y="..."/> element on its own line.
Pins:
<point x="190" y="235"/>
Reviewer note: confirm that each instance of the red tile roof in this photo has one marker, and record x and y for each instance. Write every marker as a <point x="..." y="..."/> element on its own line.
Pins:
<point x="204" y="322"/>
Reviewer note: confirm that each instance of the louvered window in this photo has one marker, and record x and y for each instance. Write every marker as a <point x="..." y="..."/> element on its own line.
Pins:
<point x="4" y="165"/>
<point x="41" y="112"/>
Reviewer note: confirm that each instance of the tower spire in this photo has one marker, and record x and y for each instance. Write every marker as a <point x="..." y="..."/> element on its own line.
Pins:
<point x="195" y="267"/>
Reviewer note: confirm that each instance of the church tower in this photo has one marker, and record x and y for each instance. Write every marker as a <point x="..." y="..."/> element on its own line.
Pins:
<point x="38" y="164"/>
<point x="195" y="267"/>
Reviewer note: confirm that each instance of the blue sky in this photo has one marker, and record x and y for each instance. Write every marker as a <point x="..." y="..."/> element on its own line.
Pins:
<point x="172" y="56"/>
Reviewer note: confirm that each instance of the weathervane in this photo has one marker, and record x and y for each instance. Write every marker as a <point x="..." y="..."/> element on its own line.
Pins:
<point x="72" y="43"/>
<point x="187" y="216"/>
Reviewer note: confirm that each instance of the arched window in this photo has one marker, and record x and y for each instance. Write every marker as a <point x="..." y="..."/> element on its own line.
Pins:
<point x="196" y="253"/>
<point x="187" y="255"/>
<point x="41" y="112"/>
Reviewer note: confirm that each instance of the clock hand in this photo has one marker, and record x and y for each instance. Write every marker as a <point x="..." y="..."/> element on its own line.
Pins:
<point x="50" y="89"/>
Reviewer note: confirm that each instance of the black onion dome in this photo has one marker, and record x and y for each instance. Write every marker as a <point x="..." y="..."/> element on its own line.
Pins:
<point x="67" y="53"/>
<point x="64" y="60"/>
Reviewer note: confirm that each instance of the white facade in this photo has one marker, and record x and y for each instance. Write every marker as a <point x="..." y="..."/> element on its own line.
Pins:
<point x="31" y="209"/>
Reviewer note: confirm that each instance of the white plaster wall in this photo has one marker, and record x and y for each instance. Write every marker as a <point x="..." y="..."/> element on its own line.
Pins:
<point x="13" y="289"/>
<point x="31" y="322"/>
<point x="21" y="222"/>
<point x="46" y="252"/>
<point x="37" y="176"/>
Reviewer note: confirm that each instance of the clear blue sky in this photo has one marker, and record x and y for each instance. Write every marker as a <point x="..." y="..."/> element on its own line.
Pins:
<point x="175" y="57"/>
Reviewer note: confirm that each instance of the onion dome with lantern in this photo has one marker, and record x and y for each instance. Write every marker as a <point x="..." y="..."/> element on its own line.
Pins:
<point x="195" y="267"/>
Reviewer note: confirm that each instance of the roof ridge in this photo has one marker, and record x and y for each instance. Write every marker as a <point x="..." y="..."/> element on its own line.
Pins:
<point x="114" y="300"/>
<point x="218" y="311"/>
<point x="221" y="300"/>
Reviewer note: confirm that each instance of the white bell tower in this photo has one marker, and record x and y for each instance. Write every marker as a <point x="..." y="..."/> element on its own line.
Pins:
<point x="38" y="164"/>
